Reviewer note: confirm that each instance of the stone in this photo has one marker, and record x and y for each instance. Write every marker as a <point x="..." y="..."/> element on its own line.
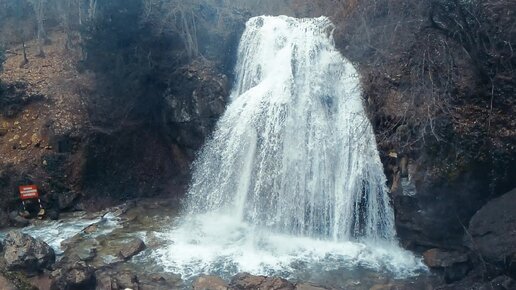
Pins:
<point x="127" y="280"/>
<point x="71" y="276"/>
<point x="132" y="248"/>
<point x="6" y="284"/>
<point x="205" y="282"/>
<point x="103" y="281"/>
<point x="35" y="139"/>
<point x="307" y="286"/>
<point x="492" y="230"/>
<point x="25" y="253"/>
<point x="17" y="220"/>
<point x="437" y="258"/>
<point x="245" y="281"/>
<point x="501" y="282"/>
<point x="67" y="200"/>
<point x="91" y="229"/>
<point x="454" y="265"/>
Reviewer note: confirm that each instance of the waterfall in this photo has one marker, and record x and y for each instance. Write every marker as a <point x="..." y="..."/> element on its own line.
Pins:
<point x="294" y="152"/>
<point x="291" y="181"/>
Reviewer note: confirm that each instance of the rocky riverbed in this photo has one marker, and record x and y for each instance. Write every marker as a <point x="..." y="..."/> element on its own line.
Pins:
<point x="115" y="249"/>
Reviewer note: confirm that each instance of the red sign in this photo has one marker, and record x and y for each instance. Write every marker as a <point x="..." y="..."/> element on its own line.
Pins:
<point x="28" y="192"/>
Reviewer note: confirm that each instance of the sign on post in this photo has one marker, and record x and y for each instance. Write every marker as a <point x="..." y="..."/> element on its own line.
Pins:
<point x="28" y="192"/>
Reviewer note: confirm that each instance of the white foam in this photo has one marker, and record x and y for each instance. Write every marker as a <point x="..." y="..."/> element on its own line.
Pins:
<point x="218" y="244"/>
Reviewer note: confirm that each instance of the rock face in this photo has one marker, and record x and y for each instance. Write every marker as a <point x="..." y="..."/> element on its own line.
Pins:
<point x="23" y="252"/>
<point x="492" y="229"/>
<point x="193" y="106"/>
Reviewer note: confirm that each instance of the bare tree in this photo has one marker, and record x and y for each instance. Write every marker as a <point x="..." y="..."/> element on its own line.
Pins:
<point x="39" y="9"/>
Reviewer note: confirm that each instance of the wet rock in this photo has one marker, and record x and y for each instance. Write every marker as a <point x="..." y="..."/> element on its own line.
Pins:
<point x="453" y="264"/>
<point x="23" y="252"/>
<point x="127" y="280"/>
<point x="104" y="281"/>
<point x="492" y="230"/>
<point x="90" y="229"/>
<point x="17" y="220"/>
<point x="71" y="276"/>
<point x="87" y="255"/>
<point x="209" y="283"/>
<point x="245" y="281"/>
<point x="437" y="258"/>
<point x="132" y="248"/>
<point x="111" y="280"/>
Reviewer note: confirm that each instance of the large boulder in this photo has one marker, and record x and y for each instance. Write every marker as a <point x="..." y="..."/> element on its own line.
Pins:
<point x="25" y="253"/>
<point x="73" y="275"/>
<point x="492" y="230"/>
<point x="132" y="248"/>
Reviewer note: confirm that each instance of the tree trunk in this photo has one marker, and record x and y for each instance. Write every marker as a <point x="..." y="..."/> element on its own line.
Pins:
<point x="25" y="59"/>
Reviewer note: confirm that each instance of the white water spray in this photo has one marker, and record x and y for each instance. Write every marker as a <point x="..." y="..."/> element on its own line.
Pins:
<point x="292" y="171"/>
<point x="295" y="152"/>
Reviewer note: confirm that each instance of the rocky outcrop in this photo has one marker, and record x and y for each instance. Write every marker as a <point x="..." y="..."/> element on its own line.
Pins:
<point x="25" y="253"/>
<point x="193" y="103"/>
<point x="492" y="230"/>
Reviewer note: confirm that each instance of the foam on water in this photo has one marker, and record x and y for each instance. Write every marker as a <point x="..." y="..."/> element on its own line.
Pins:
<point x="291" y="177"/>
<point x="55" y="232"/>
<point x="220" y="244"/>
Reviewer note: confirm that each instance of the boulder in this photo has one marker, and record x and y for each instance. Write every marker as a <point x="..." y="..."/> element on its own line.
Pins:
<point x="492" y="230"/>
<point x="23" y="252"/>
<point x="107" y="279"/>
<point x="245" y="281"/>
<point x="132" y="248"/>
<point x="71" y="276"/>
<point x="437" y="258"/>
<point x="127" y="280"/>
<point x="453" y="264"/>
<point x="17" y="220"/>
<point x="205" y="282"/>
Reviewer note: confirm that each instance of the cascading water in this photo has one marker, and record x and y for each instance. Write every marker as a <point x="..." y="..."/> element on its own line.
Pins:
<point x="292" y="172"/>
<point x="294" y="151"/>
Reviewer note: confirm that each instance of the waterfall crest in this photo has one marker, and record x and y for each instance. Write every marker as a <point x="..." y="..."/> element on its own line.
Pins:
<point x="294" y="153"/>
